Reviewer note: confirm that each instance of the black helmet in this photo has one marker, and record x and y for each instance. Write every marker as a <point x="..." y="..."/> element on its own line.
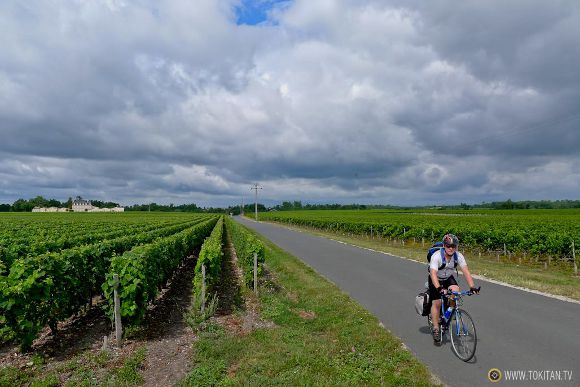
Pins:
<point x="450" y="239"/>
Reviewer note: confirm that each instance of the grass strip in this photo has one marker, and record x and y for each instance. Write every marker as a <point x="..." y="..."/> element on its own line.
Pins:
<point x="316" y="335"/>
<point x="85" y="369"/>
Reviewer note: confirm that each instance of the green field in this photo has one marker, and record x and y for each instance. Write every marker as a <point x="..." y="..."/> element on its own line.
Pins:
<point x="30" y="234"/>
<point x="527" y="248"/>
<point x="298" y="330"/>
<point x="539" y="233"/>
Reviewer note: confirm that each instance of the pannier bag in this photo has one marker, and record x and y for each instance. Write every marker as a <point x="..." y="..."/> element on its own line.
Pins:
<point x="422" y="304"/>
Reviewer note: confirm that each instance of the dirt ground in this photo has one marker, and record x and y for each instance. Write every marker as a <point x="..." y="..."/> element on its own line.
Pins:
<point x="249" y="318"/>
<point x="167" y="337"/>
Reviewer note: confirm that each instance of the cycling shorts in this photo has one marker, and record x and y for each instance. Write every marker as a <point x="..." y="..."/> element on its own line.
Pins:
<point x="434" y="294"/>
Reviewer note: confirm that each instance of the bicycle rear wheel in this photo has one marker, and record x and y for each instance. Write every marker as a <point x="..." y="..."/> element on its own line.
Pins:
<point x="463" y="335"/>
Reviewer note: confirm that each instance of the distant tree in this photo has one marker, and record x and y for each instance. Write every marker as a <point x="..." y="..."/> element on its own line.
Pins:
<point x="54" y="203"/>
<point x="234" y="210"/>
<point x="250" y="208"/>
<point x="5" y="207"/>
<point x="188" y="208"/>
<point x="22" y="205"/>
<point x="39" y="201"/>
<point x="68" y="203"/>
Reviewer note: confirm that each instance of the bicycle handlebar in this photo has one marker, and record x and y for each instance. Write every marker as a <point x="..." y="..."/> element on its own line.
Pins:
<point x="464" y="293"/>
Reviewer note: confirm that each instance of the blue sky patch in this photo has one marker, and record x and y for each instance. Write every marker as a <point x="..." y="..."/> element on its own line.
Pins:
<point x="254" y="12"/>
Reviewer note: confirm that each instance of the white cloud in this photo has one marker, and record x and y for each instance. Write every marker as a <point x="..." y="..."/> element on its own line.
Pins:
<point x="347" y="100"/>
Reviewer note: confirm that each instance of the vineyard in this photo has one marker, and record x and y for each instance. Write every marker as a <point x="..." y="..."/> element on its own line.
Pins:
<point x="52" y="266"/>
<point x="533" y="232"/>
<point x="58" y="268"/>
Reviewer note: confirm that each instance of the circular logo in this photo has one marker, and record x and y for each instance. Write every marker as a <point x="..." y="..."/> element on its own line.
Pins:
<point x="494" y="375"/>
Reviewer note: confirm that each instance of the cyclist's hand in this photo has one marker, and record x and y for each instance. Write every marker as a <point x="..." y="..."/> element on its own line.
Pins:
<point x="443" y="291"/>
<point x="475" y="290"/>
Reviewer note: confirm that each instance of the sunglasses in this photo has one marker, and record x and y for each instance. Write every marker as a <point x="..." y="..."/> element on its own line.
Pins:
<point x="452" y="246"/>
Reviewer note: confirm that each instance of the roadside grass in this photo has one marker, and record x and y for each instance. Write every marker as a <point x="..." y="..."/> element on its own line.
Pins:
<point x="312" y="334"/>
<point x="86" y="369"/>
<point x="12" y="376"/>
<point x="557" y="279"/>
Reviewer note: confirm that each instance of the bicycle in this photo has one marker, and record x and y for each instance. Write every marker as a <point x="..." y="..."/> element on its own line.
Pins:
<point x="460" y="325"/>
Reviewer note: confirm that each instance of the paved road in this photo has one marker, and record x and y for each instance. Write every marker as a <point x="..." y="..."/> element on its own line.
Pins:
<point x="517" y="330"/>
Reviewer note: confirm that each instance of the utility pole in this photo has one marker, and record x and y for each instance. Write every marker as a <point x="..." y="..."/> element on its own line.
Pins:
<point x="256" y="187"/>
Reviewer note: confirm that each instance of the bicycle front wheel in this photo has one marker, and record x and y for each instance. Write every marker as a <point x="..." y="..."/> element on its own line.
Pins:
<point x="463" y="335"/>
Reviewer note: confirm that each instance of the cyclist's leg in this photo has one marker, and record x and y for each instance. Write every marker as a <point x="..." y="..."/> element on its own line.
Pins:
<point x="435" y="313"/>
<point x="452" y="287"/>
<point x="452" y="284"/>
<point x="435" y="297"/>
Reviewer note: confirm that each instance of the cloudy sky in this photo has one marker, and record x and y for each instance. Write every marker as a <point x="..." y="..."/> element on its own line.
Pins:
<point x="393" y="102"/>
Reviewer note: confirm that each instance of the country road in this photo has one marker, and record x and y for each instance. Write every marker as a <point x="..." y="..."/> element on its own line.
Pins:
<point x="517" y="330"/>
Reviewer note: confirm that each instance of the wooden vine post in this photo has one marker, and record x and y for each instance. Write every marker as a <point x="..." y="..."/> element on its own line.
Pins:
<point x="255" y="273"/>
<point x="574" y="258"/>
<point x="118" y="325"/>
<point x="202" y="288"/>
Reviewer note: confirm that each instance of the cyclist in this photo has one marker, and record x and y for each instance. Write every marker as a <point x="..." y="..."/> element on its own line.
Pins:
<point x="441" y="277"/>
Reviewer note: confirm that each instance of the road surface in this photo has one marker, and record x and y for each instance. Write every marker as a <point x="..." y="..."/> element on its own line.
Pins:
<point x="517" y="330"/>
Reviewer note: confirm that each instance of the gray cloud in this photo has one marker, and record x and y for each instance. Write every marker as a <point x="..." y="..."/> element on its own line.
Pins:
<point x="384" y="102"/>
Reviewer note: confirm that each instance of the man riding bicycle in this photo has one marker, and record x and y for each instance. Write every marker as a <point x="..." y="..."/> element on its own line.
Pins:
<point x="441" y="279"/>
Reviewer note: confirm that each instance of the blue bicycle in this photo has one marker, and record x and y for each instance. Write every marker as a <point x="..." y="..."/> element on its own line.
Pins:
<point x="458" y="323"/>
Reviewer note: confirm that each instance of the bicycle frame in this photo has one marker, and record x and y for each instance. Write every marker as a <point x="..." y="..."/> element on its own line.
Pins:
<point x="462" y="328"/>
<point x="455" y="296"/>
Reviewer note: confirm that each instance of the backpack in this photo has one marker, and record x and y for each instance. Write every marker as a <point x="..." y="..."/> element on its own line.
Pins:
<point x="439" y="246"/>
<point x="423" y="303"/>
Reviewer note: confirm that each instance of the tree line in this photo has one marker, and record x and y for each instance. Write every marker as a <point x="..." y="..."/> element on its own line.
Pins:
<point x="524" y="205"/>
<point x="297" y="205"/>
<point x="23" y="205"/>
<point x="499" y="205"/>
<point x="26" y="205"/>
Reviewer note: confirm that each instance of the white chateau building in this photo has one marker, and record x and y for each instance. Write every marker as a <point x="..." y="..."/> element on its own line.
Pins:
<point x="82" y="205"/>
<point x="49" y="209"/>
<point x="79" y="205"/>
